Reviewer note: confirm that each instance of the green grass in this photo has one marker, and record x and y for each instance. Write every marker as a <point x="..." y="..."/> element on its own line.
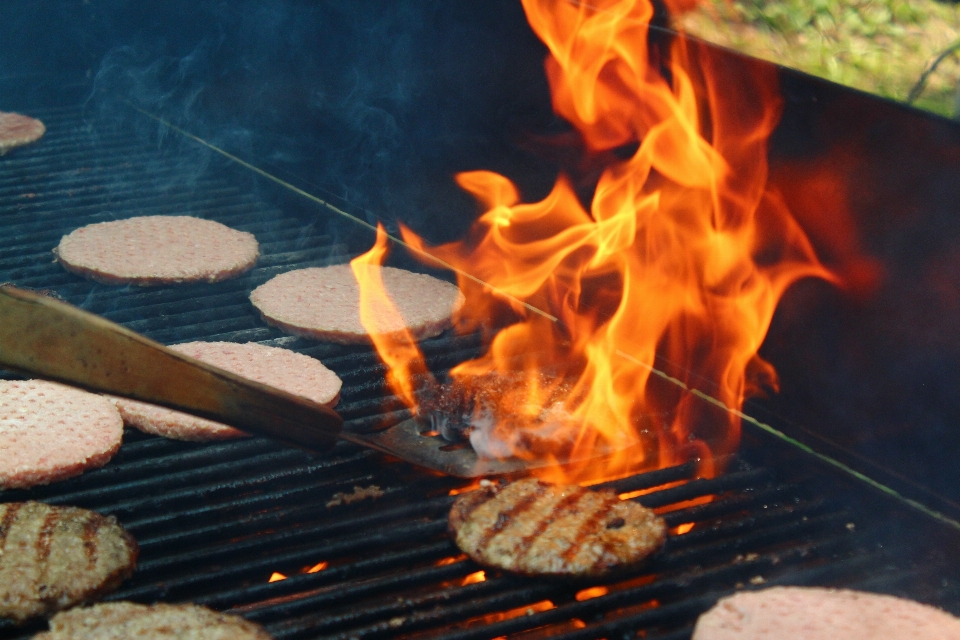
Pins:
<point x="880" y="46"/>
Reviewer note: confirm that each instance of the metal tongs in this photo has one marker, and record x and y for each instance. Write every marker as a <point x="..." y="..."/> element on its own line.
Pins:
<point x="45" y="337"/>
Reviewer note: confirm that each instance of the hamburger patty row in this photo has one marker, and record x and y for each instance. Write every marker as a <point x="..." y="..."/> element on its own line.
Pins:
<point x="810" y="613"/>
<point x="538" y="529"/>
<point x="17" y="130"/>
<point x="50" y="431"/>
<point x="154" y="250"/>
<point x="124" y="620"/>
<point x="324" y="303"/>
<point x="281" y="368"/>
<point x="55" y="557"/>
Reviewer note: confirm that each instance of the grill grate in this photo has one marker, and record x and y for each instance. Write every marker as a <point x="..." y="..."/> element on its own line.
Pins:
<point x="216" y="521"/>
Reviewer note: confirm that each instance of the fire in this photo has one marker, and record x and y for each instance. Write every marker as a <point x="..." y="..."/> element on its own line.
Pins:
<point x="397" y="348"/>
<point x="678" y="262"/>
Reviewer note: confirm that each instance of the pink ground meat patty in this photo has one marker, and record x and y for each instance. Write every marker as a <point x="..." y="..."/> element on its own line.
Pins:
<point x="802" y="613"/>
<point x="154" y="250"/>
<point x="17" y="130"/>
<point x="324" y="303"/>
<point x="49" y="432"/>
<point x="281" y="368"/>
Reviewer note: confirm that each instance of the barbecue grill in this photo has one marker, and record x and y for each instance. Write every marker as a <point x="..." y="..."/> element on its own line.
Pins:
<point x="827" y="488"/>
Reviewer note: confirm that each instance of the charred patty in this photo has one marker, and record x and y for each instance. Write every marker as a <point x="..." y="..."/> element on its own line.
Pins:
<point x="538" y="529"/>
<point x="52" y="558"/>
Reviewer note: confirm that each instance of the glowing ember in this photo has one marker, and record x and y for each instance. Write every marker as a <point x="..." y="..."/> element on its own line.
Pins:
<point x="683" y="528"/>
<point x="592" y="592"/>
<point x="479" y="576"/>
<point x="680" y="259"/>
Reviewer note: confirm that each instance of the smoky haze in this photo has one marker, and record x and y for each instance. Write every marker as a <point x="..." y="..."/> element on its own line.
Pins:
<point x="373" y="105"/>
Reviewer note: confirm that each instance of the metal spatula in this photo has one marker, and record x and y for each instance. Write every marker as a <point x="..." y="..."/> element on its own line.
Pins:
<point x="50" y="339"/>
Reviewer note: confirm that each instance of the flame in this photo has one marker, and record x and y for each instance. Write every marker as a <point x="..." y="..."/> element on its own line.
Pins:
<point x="276" y="577"/>
<point x="678" y="262"/>
<point x="397" y="348"/>
<point x="320" y="566"/>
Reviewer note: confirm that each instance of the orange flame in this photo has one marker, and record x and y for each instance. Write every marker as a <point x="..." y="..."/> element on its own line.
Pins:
<point x="396" y="347"/>
<point x="679" y="261"/>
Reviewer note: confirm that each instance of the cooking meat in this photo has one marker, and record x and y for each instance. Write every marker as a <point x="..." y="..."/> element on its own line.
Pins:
<point x="17" y="130"/>
<point x="49" y="432"/>
<point x="281" y="368"/>
<point x="55" y="557"/>
<point x="808" y="613"/>
<point x="538" y="529"/>
<point x="324" y="303"/>
<point x="493" y="411"/>
<point x="153" y="250"/>
<point x="123" y="620"/>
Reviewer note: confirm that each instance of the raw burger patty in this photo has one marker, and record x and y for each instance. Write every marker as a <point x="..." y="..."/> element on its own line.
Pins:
<point x="17" y="130"/>
<point x="281" y="368"/>
<point x="124" y="620"/>
<point x="49" y="432"/>
<point x="324" y="303"/>
<point x="806" y="613"/>
<point x="538" y="529"/>
<point x="55" y="557"/>
<point x="153" y="250"/>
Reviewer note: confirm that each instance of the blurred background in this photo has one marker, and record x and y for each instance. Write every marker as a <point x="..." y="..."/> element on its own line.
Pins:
<point x="907" y="50"/>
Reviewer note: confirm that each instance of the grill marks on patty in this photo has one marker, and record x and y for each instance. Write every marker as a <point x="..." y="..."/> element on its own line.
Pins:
<point x="534" y="528"/>
<point x="54" y="557"/>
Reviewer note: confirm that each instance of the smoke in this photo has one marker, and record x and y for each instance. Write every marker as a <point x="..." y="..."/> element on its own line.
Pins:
<point x="373" y="107"/>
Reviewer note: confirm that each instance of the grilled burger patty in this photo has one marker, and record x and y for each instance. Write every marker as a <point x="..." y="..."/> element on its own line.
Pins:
<point x="538" y="529"/>
<point x="123" y="620"/>
<point x="55" y="557"/>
